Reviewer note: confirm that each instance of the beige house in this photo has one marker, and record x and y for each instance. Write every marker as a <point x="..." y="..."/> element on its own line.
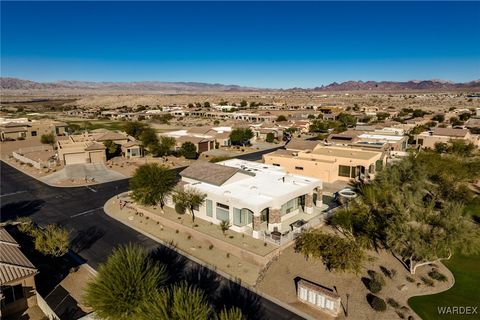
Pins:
<point x="428" y="139"/>
<point x="29" y="129"/>
<point x="330" y="163"/>
<point x="204" y="138"/>
<point x="17" y="281"/>
<point x="90" y="148"/>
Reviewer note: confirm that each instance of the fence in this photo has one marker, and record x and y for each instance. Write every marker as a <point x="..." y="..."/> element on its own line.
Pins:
<point x="42" y="304"/>
<point x="21" y="155"/>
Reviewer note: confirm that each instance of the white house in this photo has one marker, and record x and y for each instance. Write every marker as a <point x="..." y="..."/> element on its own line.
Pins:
<point x="255" y="198"/>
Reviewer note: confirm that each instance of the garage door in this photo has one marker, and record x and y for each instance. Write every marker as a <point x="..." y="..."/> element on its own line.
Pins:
<point x="97" y="157"/>
<point x="73" y="158"/>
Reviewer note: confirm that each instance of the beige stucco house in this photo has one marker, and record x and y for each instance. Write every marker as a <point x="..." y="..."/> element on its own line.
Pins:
<point x="428" y="139"/>
<point x="90" y="148"/>
<point x="329" y="163"/>
<point x="23" y="130"/>
<point x="17" y="281"/>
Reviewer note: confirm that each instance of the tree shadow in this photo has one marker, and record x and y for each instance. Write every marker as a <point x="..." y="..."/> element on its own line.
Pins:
<point x="232" y="294"/>
<point x="204" y="279"/>
<point x="86" y="238"/>
<point x="173" y="261"/>
<point x="13" y="210"/>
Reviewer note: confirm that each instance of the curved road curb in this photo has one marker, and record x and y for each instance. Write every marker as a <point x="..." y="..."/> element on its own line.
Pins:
<point x="200" y="262"/>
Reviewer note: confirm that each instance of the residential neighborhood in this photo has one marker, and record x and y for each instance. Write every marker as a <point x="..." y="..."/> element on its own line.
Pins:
<point x="239" y="161"/>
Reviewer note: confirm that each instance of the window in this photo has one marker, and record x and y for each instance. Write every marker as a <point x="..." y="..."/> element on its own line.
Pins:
<point x="354" y="172"/>
<point x="320" y="301"/>
<point x="311" y="296"/>
<point x="379" y="165"/>
<point x="223" y="212"/>
<point x="289" y="206"/>
<point x="242" y="217"/>
<point x="209" y="208"/>
<point x="276" y="164"/>
<point x="34" y="133"/>
<point x="329" y="304"/>
<point x="298" y="168"/>
<point x="12" y="294"/>
<point x="344" y="171"/>
<point x="303" y="294"/>
<point x="371" y="168"/>
<point x="420" y="142"/>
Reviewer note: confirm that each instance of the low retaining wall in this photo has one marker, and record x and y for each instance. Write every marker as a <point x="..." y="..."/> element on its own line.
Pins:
<point x="46" y="308"/>
<point x="20" y="156"/>
<point x="243" y="254"/>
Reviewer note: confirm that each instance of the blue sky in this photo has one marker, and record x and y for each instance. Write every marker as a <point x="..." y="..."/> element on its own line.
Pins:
<point x="264" y="44"/>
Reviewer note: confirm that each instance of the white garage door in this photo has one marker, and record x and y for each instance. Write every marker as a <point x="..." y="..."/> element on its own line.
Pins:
<point x="73" y="158"/>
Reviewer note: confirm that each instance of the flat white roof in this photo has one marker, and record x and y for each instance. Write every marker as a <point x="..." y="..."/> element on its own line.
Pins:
<point x="380" y="137"/>
<point x="267" y="186"/>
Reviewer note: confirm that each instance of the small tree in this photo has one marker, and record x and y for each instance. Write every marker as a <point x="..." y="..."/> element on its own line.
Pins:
<point x="53" y="241"/>
<point x="113" y="149"/>
<point x="241" y="136"/>
<point x="270" y="137"/>
<point x="126" y="281"/>
<point x="151" y="183"/>
<point x="188" y="150"/>
<point x="281" y="118"/>
<point x="337" y="253"/>
<point x="149" y="138"/>
<point x="224" y="226"/>
<point x="188" y="199"/>
<point x="189" y="303"/>
<point x="164" y="147"/>
<point x="134" y="129"/>
<point x="48" y="138"/>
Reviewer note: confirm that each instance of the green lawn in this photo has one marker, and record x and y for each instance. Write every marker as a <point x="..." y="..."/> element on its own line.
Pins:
<point x="101" y="124"/>
<point x="465" y="292"/>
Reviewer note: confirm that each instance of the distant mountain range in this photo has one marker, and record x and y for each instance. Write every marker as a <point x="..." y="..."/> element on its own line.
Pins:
<point x="198" y="87"/>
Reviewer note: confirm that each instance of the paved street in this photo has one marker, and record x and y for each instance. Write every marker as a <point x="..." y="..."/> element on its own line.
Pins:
<point x="81" y="210"/>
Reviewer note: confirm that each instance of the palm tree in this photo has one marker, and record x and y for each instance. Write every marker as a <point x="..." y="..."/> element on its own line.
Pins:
<point x="124" y="282"/>
<point x="188" y="199"/>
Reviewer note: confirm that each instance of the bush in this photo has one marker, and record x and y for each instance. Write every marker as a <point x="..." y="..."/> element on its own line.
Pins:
<point x="427" y="281"/>
<point x="392" y="302"/>
<point x="434" y="274"/>
<point x="376" y="277"/>
<point x="386" y="272"/>
<point x="210" y="247"/>
<point x="410" y="279"/>
<point x="378" y="304"/>
<point x="374" y="286"/>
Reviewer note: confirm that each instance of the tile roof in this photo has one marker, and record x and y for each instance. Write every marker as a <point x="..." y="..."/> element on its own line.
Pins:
<point x="207" y="172"/>
<point x="109" y="136"/>
<point x="95" y="146"/>
<point x="13" y="263"/>
<point x="301" y="145"/>
<point x="449" y="132"/>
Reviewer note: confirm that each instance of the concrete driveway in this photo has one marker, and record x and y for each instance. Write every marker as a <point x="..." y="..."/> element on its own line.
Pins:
<point x="99" y="172"/>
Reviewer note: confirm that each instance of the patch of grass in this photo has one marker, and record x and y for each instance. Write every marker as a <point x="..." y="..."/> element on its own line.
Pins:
<point x="463" y="293"/>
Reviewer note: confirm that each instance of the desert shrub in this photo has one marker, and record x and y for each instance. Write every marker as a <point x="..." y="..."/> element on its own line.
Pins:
<point x="377" y="303"/>
<point x="374" y="286"/>
<point x="393" y="303"/>
<point x="25" y="225"/>
<point x="410" y="279"/>
<point x="427" y="281"/>
<point x="376" y="277"/>
<point x="210" y="247"/>
<point x="434" y="274"/>
<point x="386" y="272"/>
<point x="400" y="314"/>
